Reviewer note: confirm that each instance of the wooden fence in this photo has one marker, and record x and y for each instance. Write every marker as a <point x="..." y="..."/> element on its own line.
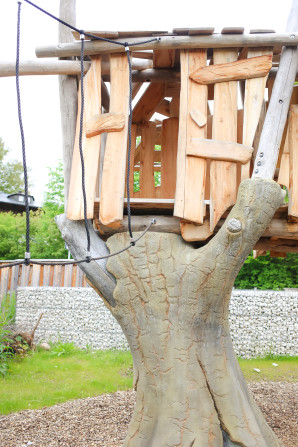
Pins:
<point x="40" y="275"/>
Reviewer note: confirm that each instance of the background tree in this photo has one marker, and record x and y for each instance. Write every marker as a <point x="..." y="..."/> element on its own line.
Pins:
<point x="11" y="172"/>
<point x="45" y="238"/>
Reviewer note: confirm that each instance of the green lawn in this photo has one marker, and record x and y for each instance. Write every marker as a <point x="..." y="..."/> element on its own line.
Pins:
<point x="47" y="378"/>
<point x="44" y="379"/>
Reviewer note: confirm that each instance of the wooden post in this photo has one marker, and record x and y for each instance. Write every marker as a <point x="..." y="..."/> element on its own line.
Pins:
<point x="275" y="120"/>
<point x="68" y="95"/>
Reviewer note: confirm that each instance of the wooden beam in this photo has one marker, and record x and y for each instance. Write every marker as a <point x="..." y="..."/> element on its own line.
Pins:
<point x="277" y="245"/>
<point x="113" y="175"/>
<point x="68" y="95"/>
<point x="148" y="103"/>
<point x="190" y="182"/>
<point x="253" y="100"/>
<point x="105" y="122"/>
<point x="169" y="157"/>
<point x="223" y="175"/>
<point x="42" y="67"/>
<point x="164" y="108"/>
<point x="293" y="174"/>
<point x="276" y="116"/>
<point x="90" y="147"/>
<point x="147" y="187"/>
<point x="170" y="42"/>
<point x="219" y="150"/>
<point x="163" y="58"/>
<point x="254" y="67"/>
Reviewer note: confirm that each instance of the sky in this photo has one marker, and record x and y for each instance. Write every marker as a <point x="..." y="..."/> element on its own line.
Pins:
<point x="40" y="94"/>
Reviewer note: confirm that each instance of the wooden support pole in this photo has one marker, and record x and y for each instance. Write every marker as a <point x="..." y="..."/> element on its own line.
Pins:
<point x="170" y="42"/>
<point x="68" y="96"/>
<point x="276" y="116"/>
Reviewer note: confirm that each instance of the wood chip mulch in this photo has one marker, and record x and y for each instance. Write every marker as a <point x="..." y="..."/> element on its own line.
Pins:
<point x="102" y="421"/>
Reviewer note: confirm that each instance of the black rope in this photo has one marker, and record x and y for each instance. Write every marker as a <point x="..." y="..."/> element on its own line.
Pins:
<point x="88" y="258"/>
<point x="27" y="254"/>
<point x="81" y="148"/>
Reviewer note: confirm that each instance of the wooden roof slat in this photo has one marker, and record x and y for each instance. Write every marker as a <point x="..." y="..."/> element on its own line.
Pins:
<point x="232" y="30"/>
<point x="105" y="34"/>
<point x="204" y="31"/>
<point x="261" y="31"/>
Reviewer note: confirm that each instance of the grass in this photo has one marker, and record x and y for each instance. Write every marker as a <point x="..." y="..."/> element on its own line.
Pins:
<point x="65" y="373"/>
<point x="47" y="378"/>
<point x="286" y="371"/>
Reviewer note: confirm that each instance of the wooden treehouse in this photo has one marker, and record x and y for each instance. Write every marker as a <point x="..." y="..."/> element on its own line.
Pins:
<point x="198" y="113"/>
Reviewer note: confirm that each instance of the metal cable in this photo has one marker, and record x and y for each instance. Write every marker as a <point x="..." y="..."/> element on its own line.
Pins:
<point x="129" y="143"/>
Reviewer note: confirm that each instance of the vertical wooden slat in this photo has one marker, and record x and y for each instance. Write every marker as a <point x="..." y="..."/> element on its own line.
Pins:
<point x="254" y="96"/>
<point x="4" y="282"/>
<point x="113" y="176"/>
<point x="25" y="275"/>
<point x="46" y="275"/>
<point x="223" y="175"/>
<point x="35" y="275"/>
<point x="189" y="199"/>
<point x="68" y="271"/>
<point x="57" y="276"/>
<point x="90" y="146"/>
<point x="169" y="157"/>
<point x="14" y="278"/>
<point x="148" y="135"/>
<point x="79" y="277"/>
<point x="293" y="172"/>
<point x="132" y="158"/>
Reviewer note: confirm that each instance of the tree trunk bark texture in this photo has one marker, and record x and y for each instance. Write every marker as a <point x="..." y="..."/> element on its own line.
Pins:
<point x="172" y="300"/>
<point x="172" y="304"/>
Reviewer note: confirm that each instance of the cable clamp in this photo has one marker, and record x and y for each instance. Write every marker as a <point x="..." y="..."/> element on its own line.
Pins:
<point x="27" y="257"/>
<point x="88" y="256"/>
<point x="153" y="221"/>
<point x="82" y="35"/>
<point x="126" y="46"/>
<point x="132" y="242"/>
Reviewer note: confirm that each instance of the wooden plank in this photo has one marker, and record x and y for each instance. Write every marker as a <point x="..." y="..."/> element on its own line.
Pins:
<point x="293" y="173"/>
<point x="79" y="277"/>
<point x="253" y="100"/>
<point x="219" y="150"/>
<point x="147" y="188"/>
<point x="149" y="102"/>
<point x="253" y="67"/>
<point x="4" y="282"/>
<point x="163" y="59"/>
<point x="232" y="30"/>
<point x="90" y="146"/>
<point x="132" y="158"/>
<point x="191" y="232"/>
<point x="36" y="269"/>
<point x="46" y="275"/>
<point x="14" y="278"/>
<point x="105" y="122"/>
<point x="223" y="175"/>
<point x="169" y="157"/>
<point x="68" y="269"/>
<point x="190" y="183"/>
<point x="112" y="192"/>
<point x="57" y="276"/>
<point x="174" y="107"/>
<point x="25" y="275"/>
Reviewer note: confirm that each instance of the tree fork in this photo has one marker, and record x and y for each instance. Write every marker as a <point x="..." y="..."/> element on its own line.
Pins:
<point x="171" y="301"/>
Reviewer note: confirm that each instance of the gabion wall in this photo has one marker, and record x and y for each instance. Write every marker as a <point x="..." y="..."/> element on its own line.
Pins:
<point x="262" y="322"/>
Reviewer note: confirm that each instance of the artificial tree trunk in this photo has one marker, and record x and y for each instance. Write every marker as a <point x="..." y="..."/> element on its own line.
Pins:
<point x="172" y="300"/>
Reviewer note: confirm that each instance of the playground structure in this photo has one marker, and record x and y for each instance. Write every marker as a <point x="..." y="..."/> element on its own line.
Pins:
<point x="211" y="93"/>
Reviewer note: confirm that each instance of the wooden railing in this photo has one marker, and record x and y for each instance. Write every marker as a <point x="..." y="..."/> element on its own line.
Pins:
<point x="57" y="275"/>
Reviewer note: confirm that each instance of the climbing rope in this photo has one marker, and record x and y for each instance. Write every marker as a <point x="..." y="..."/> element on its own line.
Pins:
<point x="133" y="241"/>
